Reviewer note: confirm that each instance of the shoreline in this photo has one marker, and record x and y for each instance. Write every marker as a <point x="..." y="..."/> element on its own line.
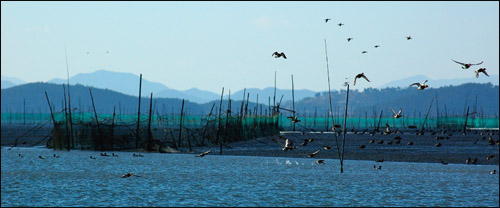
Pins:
<point x="453" y="150"/>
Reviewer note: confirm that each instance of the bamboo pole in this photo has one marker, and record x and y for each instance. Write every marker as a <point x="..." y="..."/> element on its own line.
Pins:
<point x="428" y="111"/>
<point x="51" y="114"/>
<point x="293" y="103"/>
<point x="465" y="124"/>
<point x="379" y="120"/>
<point x="345" y="120"/>
<point x="113" y="129"/>
<point x="206" y="125"/>
<point x="137" y="135"/>
<point x="96" y="120"/>
<point x="330" y="96"/>
<point x="180" y="125"/>
<point x="66" y="121"/>
<point x="150" y="138"/>
<point x="274" y="97"/>
<point x="227" y="114"/>
<point x="218" y="129"/>
<point x="69" y="99"/>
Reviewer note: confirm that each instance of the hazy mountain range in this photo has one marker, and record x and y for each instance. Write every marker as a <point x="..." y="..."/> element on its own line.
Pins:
<point x="482" y="98"/>
<point x="128" y="83"/>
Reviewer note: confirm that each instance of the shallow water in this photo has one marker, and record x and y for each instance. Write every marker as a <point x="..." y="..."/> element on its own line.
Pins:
<point x="74" y="179"/>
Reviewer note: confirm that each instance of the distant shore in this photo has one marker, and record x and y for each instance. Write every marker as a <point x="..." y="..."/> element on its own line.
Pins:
<point x="454" y="146"/>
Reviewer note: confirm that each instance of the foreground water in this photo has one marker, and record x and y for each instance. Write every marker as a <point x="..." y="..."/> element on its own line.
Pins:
<point x="74" y="179"/>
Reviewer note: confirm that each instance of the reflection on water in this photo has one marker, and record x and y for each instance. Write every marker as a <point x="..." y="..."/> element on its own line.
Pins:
<point x="74" y="179"/>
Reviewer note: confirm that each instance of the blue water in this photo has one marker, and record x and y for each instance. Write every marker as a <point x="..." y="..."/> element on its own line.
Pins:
<point x="184" y="180"/>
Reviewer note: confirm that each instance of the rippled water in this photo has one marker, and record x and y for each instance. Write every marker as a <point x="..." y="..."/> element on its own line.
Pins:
<point x="74" y="179"/>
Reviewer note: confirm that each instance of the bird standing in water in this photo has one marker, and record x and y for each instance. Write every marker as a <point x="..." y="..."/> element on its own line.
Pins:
<point x="483" y="70"/>
<point x="420" y="86"/>
<point x="277" y="55"/>
<point x="466" y="66"/>
<point x="362" y="75"/>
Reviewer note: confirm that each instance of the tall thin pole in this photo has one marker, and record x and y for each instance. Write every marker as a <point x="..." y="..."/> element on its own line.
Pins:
<point x="219" y="123"/>
<point x="428" y="110"/>
<point x="69" y="99"/>
<point x="24" y="111"/>
<point x="150" y="137"/>
<point x="96" y="120"/>
<point x="274" y="97"/>
<point x="293" y="103"/>
<point x="180" y="124"/>
<point x="345" y="121"/>
<point x="66" y="116"/>
<point x="330" y="96"/>
<point x="138" y="115"/>
<point x="465" y="124"/>
<point x="51" y="114"/>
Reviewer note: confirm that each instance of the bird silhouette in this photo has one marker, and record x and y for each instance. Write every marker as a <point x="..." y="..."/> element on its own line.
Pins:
<point x="340" y="24"/>
<point x="41" y="157"/>
<point x="349" y="39"/>
<point x="483" y="70"/>
<point x="420" y="86"/>
<point x="362" y="75"/>
<point x="313" y="154"/>
<point x="493" y="172"/>
<point x="326" y="20"/>
<point x="376" y="46"/>
<point x="397" y="115"/>
<point x="466" y="66"/>
<point x="364" y="52"/>
<point x="203" y="153"/>
<point x="277" y="55"/>
<point x="320" y="162"/>
<point x="327" y="147"/>
<point x="409" y="38"/>
<point x="288" y="145"/>
<point x="294" y="119"/>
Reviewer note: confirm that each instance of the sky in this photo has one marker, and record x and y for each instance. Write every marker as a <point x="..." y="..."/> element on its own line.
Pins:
<point x="210" y="45"/>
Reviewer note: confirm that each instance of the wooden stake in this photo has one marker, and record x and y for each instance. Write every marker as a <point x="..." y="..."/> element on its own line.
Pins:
<point x="137" y="135"/>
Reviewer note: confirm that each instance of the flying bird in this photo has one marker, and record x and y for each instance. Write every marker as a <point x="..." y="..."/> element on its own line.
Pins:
<point x="327" y="147"/>
<point x="349" y="39"/>
<point x="288" y="145"/>
<point x="203" y="153"/>
<point x="364" y="52"/>
<point x="483" y="70"/>
<point x="420" y="86"/>
<point x="466" y="66"/>
<point x="397" y="115"/>
<point x="362" y="75"/>
<point x="326" y="20"/>
<point x="313" y="154"/>
<point x="340" y="24"/>
<point x="294" y="119"/>
<point x="277" y="55"/>
<point x="320" y="162"/>
<point x="376" y="46"/>
<point x="408" y="38"/>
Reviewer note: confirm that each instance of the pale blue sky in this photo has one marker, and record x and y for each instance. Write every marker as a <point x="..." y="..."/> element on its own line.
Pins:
<point x="210" y="45"/>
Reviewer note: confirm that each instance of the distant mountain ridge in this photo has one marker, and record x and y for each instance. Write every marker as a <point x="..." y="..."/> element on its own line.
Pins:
<point x="450" y="99"/>
<point x="128" y="83"/>
<point x="435" y="83"/>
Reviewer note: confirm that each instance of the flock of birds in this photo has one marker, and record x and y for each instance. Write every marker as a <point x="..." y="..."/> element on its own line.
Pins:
<point x="420" y="86"/>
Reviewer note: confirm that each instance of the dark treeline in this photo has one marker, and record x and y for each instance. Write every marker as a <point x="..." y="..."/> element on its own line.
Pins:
<point x="453" y="99"/>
